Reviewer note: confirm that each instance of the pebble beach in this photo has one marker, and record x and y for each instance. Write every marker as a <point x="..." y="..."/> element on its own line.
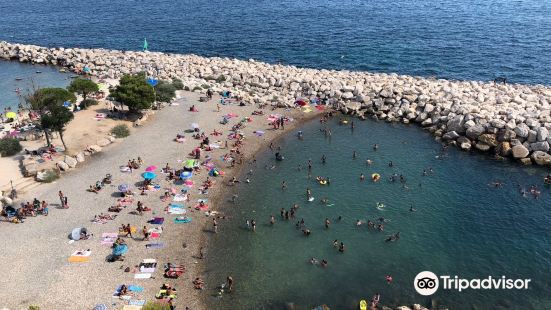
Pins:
<point x="38" y="249"/>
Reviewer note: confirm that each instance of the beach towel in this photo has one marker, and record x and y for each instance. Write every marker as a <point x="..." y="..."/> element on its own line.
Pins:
<point x="148" y="265"/>
<point x="131" y="288"/>
<point x="259" y="133"/>
<point x="182" y="220"/>
<point x="108" y="238"/>
<point x="176" y="209"/>
<point x="136" y="302"/>
<point x="124" y="169"/>
<point x="80" y="256"/>
<point x="142" y="276"/>
<point x="132" y="307"/>
<point x="179" y="198"/>
<point x="154" y="245"/>
<point x="157" y="220"/>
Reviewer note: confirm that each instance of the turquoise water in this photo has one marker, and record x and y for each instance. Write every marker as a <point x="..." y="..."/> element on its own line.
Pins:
<point x="30" y="79"/>
<point x="458" y="39"/>
<point x="462" y="225"/>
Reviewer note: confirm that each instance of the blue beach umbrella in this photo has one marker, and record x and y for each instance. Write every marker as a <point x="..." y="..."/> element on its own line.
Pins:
<point x="152" y="82"/>
<point x="186" y="175"/>
<point x="86" y="69"/>
<point x="149" y="175"/>
<point x="123" y="187"/>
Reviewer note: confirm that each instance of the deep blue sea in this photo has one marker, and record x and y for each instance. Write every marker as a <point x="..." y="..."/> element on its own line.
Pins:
<point x="462" y="226"/>
<point x="456" y="39"/>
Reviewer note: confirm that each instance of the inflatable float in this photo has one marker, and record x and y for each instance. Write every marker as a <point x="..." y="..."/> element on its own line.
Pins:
<point x="375" y="177"/>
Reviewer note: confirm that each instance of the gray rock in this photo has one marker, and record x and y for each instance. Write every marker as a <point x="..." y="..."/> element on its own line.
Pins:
<point x="506" y="135"/>
<point x="456" y="124"/>
<point x="71" y="161"/>
<point x="62" y="165"/>
<point x="503" y="149"/>
<point x="94" y="148"/>
<point x="481" y="146"/>
<point x="450" y="135"/>
<point x="80" y="157"/>
<point x="542" y="134"/>
<point x="474" y="131"/>
<point x="519" y="151"/>
<point x="540" y="146"/>
<point x="532" y="136"/>
<point x="488" y="139"/>
<point x="522" y="130"/>
<point x="525" y="161"/>
<point x="541" y="158"/>
<point x="104" y="142"/>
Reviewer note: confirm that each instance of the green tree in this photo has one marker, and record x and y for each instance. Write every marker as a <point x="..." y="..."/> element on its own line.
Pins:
<point x="83" y="87"/>
<point x="9" y="146"/>
<point x="55" y="120"/>
<point x="165" y="91"/>
<point x="177" y="83"/>
<point x="43" y="99"/>
<point x="134" y="92"/>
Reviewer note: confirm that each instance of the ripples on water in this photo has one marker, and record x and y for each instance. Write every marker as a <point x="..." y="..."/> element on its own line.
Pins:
<point x="462" y="227"/>
<point x="464" y="39"/>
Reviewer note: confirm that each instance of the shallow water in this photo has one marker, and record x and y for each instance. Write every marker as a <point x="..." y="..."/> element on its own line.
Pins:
<point x="462" y="225"/>
<point x="465" y="39"/>
<point x="30" y="79"/>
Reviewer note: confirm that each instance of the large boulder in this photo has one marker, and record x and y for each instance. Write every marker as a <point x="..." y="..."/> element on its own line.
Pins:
<point x="474" y="131"/>
<point x="95" y="148"/>
<point x="504" y="149"/>
<point x="542" y="134"/>
<point x="71" y="161"/>
<point x="541" y="158"/>
<point x="62" y="165"/>
<point x="489" y="139"/>
<point x="540" y="146"/>
<point x="80" y="157"/>
<point x="481" y="146"/>
<point x="506" y="135"/>
<point x="456" y="124"/>
<point x="30" y="170"/>
<point x="451" y="135"/>
<point x="104" y="142"/>
<point x="519" y="151"/>
<point x="522" y="130"/>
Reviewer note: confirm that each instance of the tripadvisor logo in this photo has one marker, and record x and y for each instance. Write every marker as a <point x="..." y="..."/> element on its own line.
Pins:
<point x="427" y="283"/>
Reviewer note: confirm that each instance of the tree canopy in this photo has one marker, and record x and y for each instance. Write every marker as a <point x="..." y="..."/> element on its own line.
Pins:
<point x="83" y="87"/>
<point x="134" y="92"/>
<point x="165" y="91"/>
<point x="42" y="98"/>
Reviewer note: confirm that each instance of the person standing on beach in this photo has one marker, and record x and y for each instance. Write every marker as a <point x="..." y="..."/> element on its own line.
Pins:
<point x="215" y="225"/>
<point x="229" y="283"/>
<point x="64" y="200"/>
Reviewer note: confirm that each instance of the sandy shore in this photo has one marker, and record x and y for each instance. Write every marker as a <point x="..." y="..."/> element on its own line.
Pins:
<point x="35" y="268"/>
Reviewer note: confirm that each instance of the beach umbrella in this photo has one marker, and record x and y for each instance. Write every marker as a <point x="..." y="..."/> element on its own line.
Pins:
<point x="151" y="168"/>
<point x="86" y="69"/>
<point x="152" y="82"/>
<point x="186" y="175"/>
<point x="149" y="175"/>
<point x="100" y="307"/>
<point x="11" y="115"/>
<point x="123" y="187"/>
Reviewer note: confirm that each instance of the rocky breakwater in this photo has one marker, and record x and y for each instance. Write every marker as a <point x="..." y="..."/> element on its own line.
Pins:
<point x="507" y="120"/>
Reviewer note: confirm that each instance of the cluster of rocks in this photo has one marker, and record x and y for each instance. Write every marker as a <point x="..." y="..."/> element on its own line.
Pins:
<point x="508" y="120"/>
<point x="32" y="168"/>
